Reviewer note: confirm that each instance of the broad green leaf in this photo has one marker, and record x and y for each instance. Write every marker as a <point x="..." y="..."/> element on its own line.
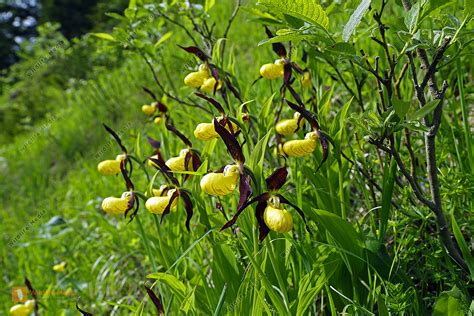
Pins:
<point x="296" y="38"/>
<point x="424" y="111"/>
<point x="209" y="4"/>
<point x="308" y="10"/>
<point x="104" y="36"/>
<point x="411" y="17"/>
<point x="257" y="156"/>
<point x="401" y="107"/>
<point x="344" y="49"/>
<point x="176" y="286"/>
<point x="355" y="19"/>
<point x="449" y="303"/>
<point x="164" y="38"/>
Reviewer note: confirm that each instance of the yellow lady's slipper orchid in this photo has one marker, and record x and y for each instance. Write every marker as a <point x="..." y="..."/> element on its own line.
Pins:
<point x="220" y="184"/>
<point x="151" y="163"/>
<point x="20" y="310"/>
<point x="116" y="206"/>
<point x="209" y="83"/>
<point x="149" y="109"/>
<point x="272" y="71"/>
<point x="306" y="80"/>
<point x="288" y="127"/>
<point x="196" y="79"/>
<point x="111" y="167"/>
<point x="277" y="219"/>
<point x="301" y="147"/>
<point x="157" y="120"/>
<point x="161" y="191"/>
<point x="206" y="131"/>
<point x="158" y="204"/>
<point x="177" y="163"/>
<point x="60" y="267"/>
<point x="30" y="304"/>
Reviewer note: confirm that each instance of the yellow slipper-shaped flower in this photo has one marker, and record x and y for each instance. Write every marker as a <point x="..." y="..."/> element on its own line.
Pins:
<point x="60" y="267"/>
<point x="220" y="184"/>
<point x="306" y="80"/>
<point x="149" y="109"/>
<point x="288" y="127"/>
<point x="208" y="85"/>
<point x="158" y="204"/>
<point x="177" y="163"/>
<point x="273" y="71"/>
<point x="206" y="131"/>
<point x="110" y="167"/>
<point x="22" y="309"/>
<point x="301" y="147"/>
<point x="277" y="219"/>
<point x="196" y="79"/>
<point x="116" y="206"/>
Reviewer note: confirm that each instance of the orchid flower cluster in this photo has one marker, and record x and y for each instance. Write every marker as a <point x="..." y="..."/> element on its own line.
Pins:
<point x="270" y="212"/>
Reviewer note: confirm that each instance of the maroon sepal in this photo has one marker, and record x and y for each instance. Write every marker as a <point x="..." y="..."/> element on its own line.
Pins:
<point x="287" y="74"/>
<point x="297" y="209"/>
<point x="304" y="58"/>
<point x="156" y="301"/>
<point x="277" y="179"/>
<point x="278" y="48"/>
<point x="188" y="206"/>
<point x="195" y="160"/>
<point x="297" y="68"/>
<point x="296" y="96"/>
<point x="168" y="207"/>
<point x="116" y="137"/>
<point x="153" y="142"/>
<point x="306" y="114"/>
<point x="135" y="211"/>
<point x="83" y="312"/>
<point x="213" y="101"/>
<point x="230" y="141"/>
<point x="165" y="170"/>
<point x="127" y="179"/>
<point x="245" y="190"/>
<point x="33" y="294"/>
<point x="259" y="214"/>
<point x="196" y="51"/>
<point x="169" y="126"/>
<point x="152" y="95"/>
<point x="325" y="146"/>
<point x="215" y="74"/>
<point x="260" y="198"/>
<point x="233" y="89"/>
<point x="161" y="107"/>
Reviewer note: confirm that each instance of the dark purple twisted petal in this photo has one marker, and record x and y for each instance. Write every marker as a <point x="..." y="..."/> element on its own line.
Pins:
<point x="262" y="226"/>
<point x="297" y="209"/>
<point x="188" y="206"/>
<point x="230" y="141"/>
<point x="260" y="198"/>
<point x="156" y="301"/>
<point x="277" y="179"/>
